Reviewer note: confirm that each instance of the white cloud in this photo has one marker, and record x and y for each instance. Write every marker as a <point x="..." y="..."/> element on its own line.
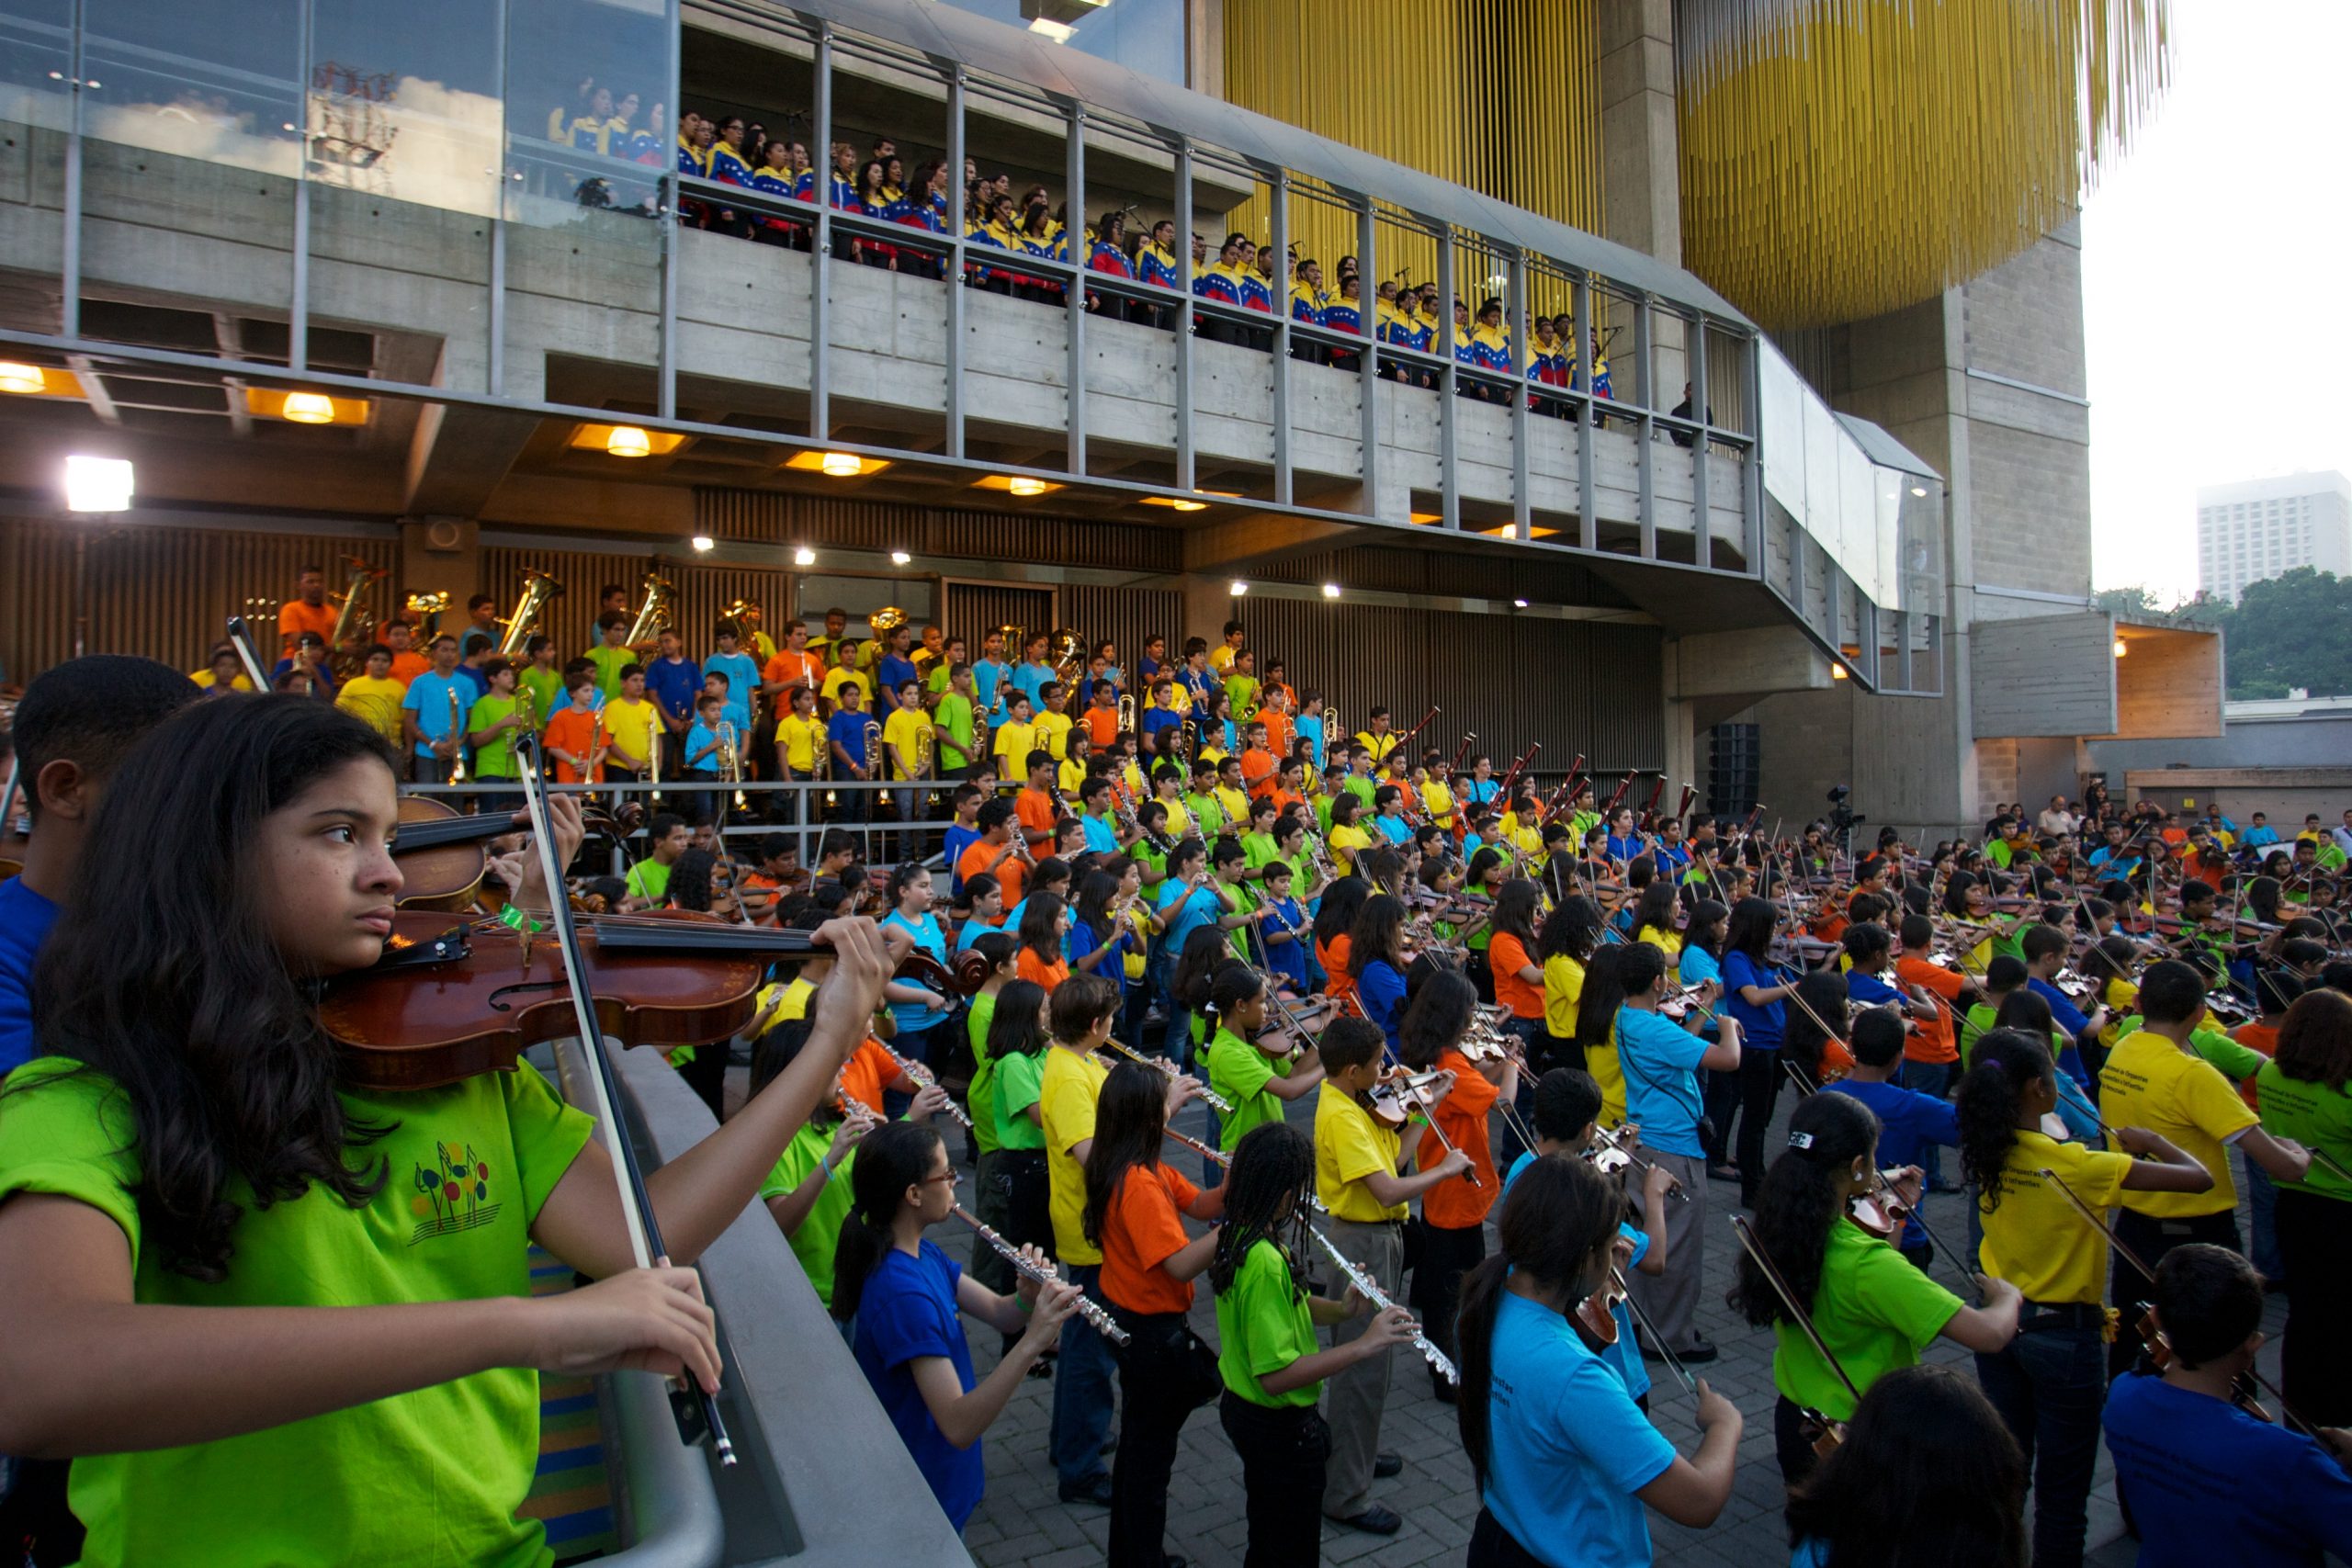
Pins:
<point x="2214" y="265"/>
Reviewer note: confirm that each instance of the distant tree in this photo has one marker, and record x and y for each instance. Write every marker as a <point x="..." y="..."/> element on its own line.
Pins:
<point x="2294" y="629"/>
<point x="2134" y="602"/>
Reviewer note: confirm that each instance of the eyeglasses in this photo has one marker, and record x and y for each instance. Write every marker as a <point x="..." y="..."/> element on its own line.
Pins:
<point x="946" y="1176"/>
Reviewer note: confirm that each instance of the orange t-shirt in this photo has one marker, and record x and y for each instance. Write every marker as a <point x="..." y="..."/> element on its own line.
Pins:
<point x="1333" y="957"/>
<point x="1008" y="873"/>
<point x="869" y="1067"/>
<point x="1837" y="1059"/>
<point x="1029" y="966"/>
<point x="1279" y="732"/>
<point x="1259" y="771"/>
<point x="1034" y="809"/>
<point x="294" y="618"/>
<point x="1140" y="1232"/>
<point x="408" y="664"/>
<point x="1456" y="1204"/>
<point x="2257" y="1036"/>
<point x="1931" y="1042"/>
<point x="1509" y="956"/>
<point x="574" y="730"/>
<point x="792" y="668"/>
<point x="1102" y="726"/>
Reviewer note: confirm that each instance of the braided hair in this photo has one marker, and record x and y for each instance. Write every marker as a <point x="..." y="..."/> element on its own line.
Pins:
<point x="1268" y="1192"/>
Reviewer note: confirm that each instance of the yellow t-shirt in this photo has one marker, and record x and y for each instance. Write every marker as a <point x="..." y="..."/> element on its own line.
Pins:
<point x="1601" y="1062"/>
<point x="1346" y="842"/>
<point x="1179" y="821"/>
<point x="842" y="675"/>
<point x="1053" y="733"/>
<point x="899" y="733"/>
<point x="1066" y="1095"/>
<point x="2036" y="1240"/>
<point x="2150" y="1082"/>
<point x="631" y="726"/>
<point x="375" y="704"/>
<point x="1070" y="777"/>
<point x="1667" y="943"/>
<point x="1437" y="799"/>
<point x="2122" y="1000"/>
<point x="1011" y="747"/>
<point x="1563" y="990"/>
<point x="204" y="678"/>
<point x="801" y="739"/>
<point x="1349" y="1146"/>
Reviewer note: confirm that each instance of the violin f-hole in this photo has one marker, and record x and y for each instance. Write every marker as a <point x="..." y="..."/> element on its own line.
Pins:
<point x="495" y="1004"/>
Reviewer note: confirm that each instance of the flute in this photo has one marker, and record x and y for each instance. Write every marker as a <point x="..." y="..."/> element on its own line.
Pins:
<point x="1223" y="1106"/>
<point x="1101" y="1321"/>
<point x="920" y="1076"/>
<point x="1438" y="1359"/>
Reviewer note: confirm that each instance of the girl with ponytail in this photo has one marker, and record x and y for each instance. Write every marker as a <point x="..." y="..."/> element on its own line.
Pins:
<point x="1564" y="1457"/>
<point x="1870" y="1307"/>
<point x="901" y="1293"/>
<point x="2050" y="1383"/>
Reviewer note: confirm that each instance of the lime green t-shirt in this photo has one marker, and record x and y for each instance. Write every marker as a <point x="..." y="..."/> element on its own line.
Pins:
<point x="609" y="663"/>
<point x="496" y="760"/>
<point x="1263" y="1325"/>
<point x="1257" y="850"/>
<point x="982" y="1092"/>
<point x="1239" y="1072"/>
<point x="1873" y="1310"/>
<point x="546" y="687"/>
<point x="821" y="1226"/>
<point x="434" y="1475"/>
<point x="1020" y="1081"/>
<point x="648" y="878"/>
<point x="2313" y="1115"/>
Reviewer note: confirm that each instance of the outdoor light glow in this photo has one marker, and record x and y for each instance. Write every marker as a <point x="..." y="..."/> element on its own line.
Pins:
<point x="1838" y="672"/>
<point x="98" y="484"/>
<point x="842" y="465"/>
<point x="19" y="378"/>
<point x="1919" y="490"/>
<point x="1239" y="588"/>
<point x="624" y="441"/>
<point x="316" y="408"/>
<point x="2119" y="647"/>
<point x="900" y="557"/>
<point x="702" y="541"/>
<point x="1025" y="486"/>
<point x="1519" y="603"/>
<point x="1331" y="591"/>
<point x="804" y="555"/>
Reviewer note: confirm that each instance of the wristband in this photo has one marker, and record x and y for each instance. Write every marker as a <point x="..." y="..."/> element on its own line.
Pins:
<point x="828" y="1163"/>
<point x="514" y="919"/>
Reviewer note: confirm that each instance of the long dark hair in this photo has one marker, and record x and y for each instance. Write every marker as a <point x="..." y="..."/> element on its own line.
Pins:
<point x="1557" y="1223"/>
<point x="1093" y="911"/>
<point x="1656" y="907"/>
<point x="1799" y="1201"/>
<point x="1928" y="1477"/>
<point x="1204" y="952"/>
<point x="891" y="1159"/>
<point x="1342" y="901"/>
<point x="1701" y="930"/>
<point x="690" y="880"/>
<point x="1753" y="922"/>
<point x="1571" y="930"/>
<point x="1380" y="925"/>
<point x="1604" y="994"/>
<point x="1017" y="1027"/>
<point x="1437" y="1017"/>
<point x="1039" y="915"/>
<point x="2009" y="1061"/>
<point x="1265" y="1200"/>
<point x="1129" y="1115"/>
<point x="1823" y="992"/>
<point x="1514" y="910"/>
<point x="188" y="1009"/>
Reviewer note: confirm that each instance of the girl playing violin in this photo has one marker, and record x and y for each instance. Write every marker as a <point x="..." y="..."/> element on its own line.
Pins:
<point x="1453" y="1213"/>
<point x="1925" y="1471"/>
<point x="1256" y="1079"/>
<point x="185" y="1185"/>
<point x="1873" y="1309"/>
<point x="1563" y="1457"/>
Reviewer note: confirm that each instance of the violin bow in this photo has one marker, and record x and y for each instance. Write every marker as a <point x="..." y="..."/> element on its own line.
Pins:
<point x="241" y="638"/>
<point x="1673" y="1362"/>
<point x="1755" y="1250"/>
<point x="697" y="1411"/>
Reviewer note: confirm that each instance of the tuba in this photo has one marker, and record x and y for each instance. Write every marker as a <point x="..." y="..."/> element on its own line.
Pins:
<point x="1013" y="636"/>
<point x="1066" y="651"/>
<point x="538" y="587"/>
<point x="661" y="594"/>
<point x="350" y="620"/>
<point x="425" y="611"/>
<point x="884" y="621"/>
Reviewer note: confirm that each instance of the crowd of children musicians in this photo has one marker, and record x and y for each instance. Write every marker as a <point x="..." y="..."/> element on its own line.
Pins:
<point x="1441" y="1028"/>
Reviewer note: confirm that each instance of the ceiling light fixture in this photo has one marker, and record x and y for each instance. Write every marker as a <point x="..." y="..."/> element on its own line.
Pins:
<point x="900" y="557"/>
<point x="702" y="543"/>
<point x="1019" y="486"/>
<point x="804" y="555"/>
<point x="1331" y="591"/>
<point x="1519" y="603"/>
<point x="1919" y="490"/>
<point x="317" y="408"/>
<point x="1238" y="588"/>
<point x="15" y="377"/>
<point x="98" y="484"/>
<point x="627" y="441"/>
<point x="842" y="465"/>
<point x="1838" y="672"/>
<point x="2120" y="649"/>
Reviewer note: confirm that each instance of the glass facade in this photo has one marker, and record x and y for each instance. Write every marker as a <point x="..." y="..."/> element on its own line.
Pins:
<point x="1144" y="36"/>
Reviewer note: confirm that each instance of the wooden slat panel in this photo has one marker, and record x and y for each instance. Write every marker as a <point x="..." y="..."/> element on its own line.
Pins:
<point x="973" y="608"/>
<point x="1125" y="616"/>
<point x="972" y="534"/>
<point x="571" y="618"/>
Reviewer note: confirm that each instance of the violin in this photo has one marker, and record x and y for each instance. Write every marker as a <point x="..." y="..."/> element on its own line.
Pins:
<point x="1596" y="1315"/>
<point x="447" y="1002"/>
<point x="1882" y="1212"/>
<point x="442" y="852"/>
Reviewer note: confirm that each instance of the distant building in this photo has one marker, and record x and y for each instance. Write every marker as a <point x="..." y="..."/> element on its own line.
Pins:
<point x="2260" y="528"/>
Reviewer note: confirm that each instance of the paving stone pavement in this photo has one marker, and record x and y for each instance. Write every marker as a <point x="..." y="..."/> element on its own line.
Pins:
<point x="1019" y="1521"/>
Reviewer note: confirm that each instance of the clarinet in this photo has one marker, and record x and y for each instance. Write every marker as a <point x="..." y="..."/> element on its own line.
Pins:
<point x="1438" y="1359"/>
<point x="1167" y="1068"/>
<point x="920" y="1076"/>
<point x="1090" y="1310"/>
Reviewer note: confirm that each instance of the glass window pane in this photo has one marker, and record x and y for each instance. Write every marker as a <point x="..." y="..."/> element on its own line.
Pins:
<point x="208" y="79"/>
<point x="36" y="51"/>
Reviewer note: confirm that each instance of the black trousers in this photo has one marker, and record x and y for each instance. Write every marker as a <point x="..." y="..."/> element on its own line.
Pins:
<point x="2150" y="1239"/>
<point x="1792" y="1440"/>
<point x="1759" y="1090"/>
<point x="1282" y="1450"/>
<point x="1156" y="1395"/>
<point x="706" y="1076"/>
<point x="2315" y="1233"/>
<point x="1446" y="1256"/>
<point x="1491" y="1546"/>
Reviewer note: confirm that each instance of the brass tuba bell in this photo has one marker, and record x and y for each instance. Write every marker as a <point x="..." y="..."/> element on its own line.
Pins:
<point x="538" y="587"/>
<point x="1066" y="651"/>
<point x="661" y="595"/>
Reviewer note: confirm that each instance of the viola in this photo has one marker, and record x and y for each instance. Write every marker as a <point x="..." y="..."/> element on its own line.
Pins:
<point x="442" y="853"/>
<point x="447" y="1002"/>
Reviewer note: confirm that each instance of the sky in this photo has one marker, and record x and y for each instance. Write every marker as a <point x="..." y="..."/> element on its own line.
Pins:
<point x="2214" y="262"/>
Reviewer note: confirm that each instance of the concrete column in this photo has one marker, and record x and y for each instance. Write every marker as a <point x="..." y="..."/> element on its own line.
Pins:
<point x="1641" y="188"/>
<point x="443" y="555"/>
<point x="1208" y="604"/>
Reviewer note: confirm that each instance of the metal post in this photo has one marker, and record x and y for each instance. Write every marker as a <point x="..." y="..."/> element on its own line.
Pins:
<point x="1280" y="243"/>
<point x="820" y="131"/>
<point x="1368" y="365"/>
<point x="1186" y="474"/>
<point x="1522" y="521"/>
<point x="1752" y="485"/>
<point x="1701" y="544"/>
<point x="665" y="197"/>
<point x="1645" y="431"/>
<point x="1580" y="403"/>
<point x="955" y="266"/>
<point x="494" y="317"/>
<point x="70" y="261"/>
<point x="1074" y="236"/>
<point x="298" y="322"/>
<point x="1449" y="504"/>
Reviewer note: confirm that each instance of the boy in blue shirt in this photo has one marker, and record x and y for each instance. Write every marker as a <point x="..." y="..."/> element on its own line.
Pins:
<point x="2045" y="948"/>
<point x="1910" y="1125"/>
<point x="742" y="670"/>
<point x="2205" y="1482"/>
<point x="701" y="760"/>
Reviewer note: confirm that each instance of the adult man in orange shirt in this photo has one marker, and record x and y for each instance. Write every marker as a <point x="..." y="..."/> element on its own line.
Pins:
<point x="794" y="664"/>
<point x="1035" y="805"/>
<point x="993" y="851"/>
<point x="308" y="611"/>
<point x="1930" y="1052"/>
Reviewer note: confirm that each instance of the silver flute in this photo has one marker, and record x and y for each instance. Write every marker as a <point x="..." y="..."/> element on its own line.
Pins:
<point x="1089" y="1310"/>
<point x="1438" y="1359"/>
<point x="920" y="1076"/>
<point x="1161" y="1064"/>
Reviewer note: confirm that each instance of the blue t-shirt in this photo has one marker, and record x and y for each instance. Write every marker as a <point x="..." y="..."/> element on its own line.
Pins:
<point x="1101" y="837"/>
<point x="1759" y="1028"/>
<point x="699" y="735"/>
<point x="2209" y="1483"/>
<point x="1311" y="731"/>
<point x="847" y="730"/>
<point x="673" y="684"/>
<point x="1198" y="910"/>
<point x="1569" y="1449"/>
<point x="1907" y="1122"/>
<point x="1396" y="829"/>
<point x="906" y="1313"/>
<point x="959" y="839"/>
<point x="1698" y="965"/>
<point x="1660" y="1061"/>
<point x="742" y="675"/>
<point x="1623" y="1358"/>
<point x="428" y="697"/>
<point x="1288" y="959"/>
<point x="987" y="675"/>
<point x="1030" y="680"/>
<point x="1869" y="990"/>
<point x="325" y="677"/>
<point x="25" y="920"/>
<point x="1084" y="939"/>
<point x="1157" y="719"/>
<point x="892" y="672"/>
<point x="1381" y="990"/>
<point x="931" y="941"/>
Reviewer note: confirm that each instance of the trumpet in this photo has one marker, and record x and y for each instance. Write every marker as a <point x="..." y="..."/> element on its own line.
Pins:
<point x="538" y="587"/>
<point x="1167" y="1069"/>
<point x="457" y="739"/>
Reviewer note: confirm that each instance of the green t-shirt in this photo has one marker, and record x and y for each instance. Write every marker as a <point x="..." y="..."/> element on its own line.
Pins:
<point x="609" y="663"/>
<point x="821" y="1226"/>
<point x="982" y="1092"/>
<point x="1240" y="694"/>
<point x="434" y="1475"/>
<point x="1020" y="1082"/>
<point x="1208" y="817"/>
<point x="1263" y="1325"/>
<point x="1361" y="786"/>
<point x="1975" y="1028"/>
<point x="1873" y="1310"/>
<point x="1239" y="1072"/>
<point x="2313" y="1115"/>
<point x="2235" y="1062"/>
<point x="952" y="719"/>
<point x="496" y="760"/>
<point x="1257" y="850"/>
<point x="648" y="878"/>
<point x="546" y="687"/>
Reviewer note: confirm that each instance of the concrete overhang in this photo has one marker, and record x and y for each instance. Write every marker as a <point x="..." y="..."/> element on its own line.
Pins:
<point x="2091" y="675"/>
